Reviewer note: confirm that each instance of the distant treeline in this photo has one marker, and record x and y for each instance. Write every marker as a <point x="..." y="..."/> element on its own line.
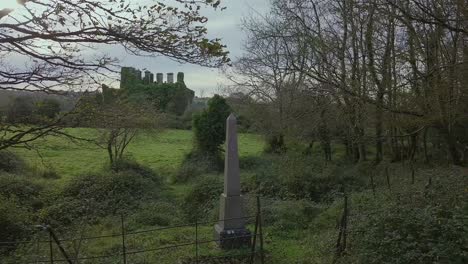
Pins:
<point x="67" y="101"/>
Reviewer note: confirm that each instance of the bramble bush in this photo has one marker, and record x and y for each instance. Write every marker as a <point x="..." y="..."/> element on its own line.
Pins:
<point x="157" y="213"/>
<point x="295" y="176"/>
<point x="107" y="193"/>
<point x="10" y="162"/>
<point x="200" y="201"/>
<point x="413" y="224"/>
<point x="198" y="163"/>
<point x="15" y="220"/>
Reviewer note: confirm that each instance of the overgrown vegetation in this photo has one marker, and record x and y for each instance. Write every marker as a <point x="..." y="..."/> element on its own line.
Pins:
<point x="361" y="104"/>
<point x="209" y="126"/>
<point x="209" y="129"/>
<point x="302" y="201"/>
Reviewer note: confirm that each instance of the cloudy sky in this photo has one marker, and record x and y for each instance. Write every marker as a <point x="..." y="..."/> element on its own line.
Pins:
<point x="221" y="24"/>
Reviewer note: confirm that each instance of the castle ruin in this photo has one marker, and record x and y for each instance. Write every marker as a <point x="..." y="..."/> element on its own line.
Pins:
<point x="130" y="75"/>
<point x="167" y="95"/>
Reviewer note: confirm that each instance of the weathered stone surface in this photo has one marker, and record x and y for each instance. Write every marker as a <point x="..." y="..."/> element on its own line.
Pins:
<point x="170" y="77"/>
<point x="230" y="212"/>
<point x="231" y="162"/>
<point x="233" y="238"/>
<point x="231" y="231"/>
<point x="159" y="78"/>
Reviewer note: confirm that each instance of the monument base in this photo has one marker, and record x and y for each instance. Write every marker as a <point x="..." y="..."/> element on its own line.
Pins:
<point x="232" y="238"/>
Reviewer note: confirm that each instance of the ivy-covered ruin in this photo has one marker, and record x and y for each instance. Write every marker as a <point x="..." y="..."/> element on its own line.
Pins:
<point x="169" y="96"/>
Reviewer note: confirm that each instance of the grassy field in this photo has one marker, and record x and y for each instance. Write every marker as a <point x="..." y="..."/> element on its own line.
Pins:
<point x="302" y="202"/>
<point x="161" y="151"/>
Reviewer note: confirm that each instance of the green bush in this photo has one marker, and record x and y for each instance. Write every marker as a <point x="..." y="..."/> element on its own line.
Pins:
<point x="132" y="165"/>
<point x="200" y="201"/>
<point x="210" y="125"/>
<point x="15" y="220"/>
<point x="10" y="162"/>
<point x="157" y="214"/>
<point x="23" y="190"/>
<point x="415" y="224"/>
<point x="290" y="215"/>
<point x="293" y="176"/>
<point x="402" y="234"/>
<point x="198" y="163"/>
<point x="98" y="195"/>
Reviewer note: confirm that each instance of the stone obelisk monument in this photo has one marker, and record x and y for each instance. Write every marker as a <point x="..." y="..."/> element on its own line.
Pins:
<point x="231" y="231"/>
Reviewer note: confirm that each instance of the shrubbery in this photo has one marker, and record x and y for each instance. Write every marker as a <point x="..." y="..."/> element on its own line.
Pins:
<point x="200" y="201"/>
<point x="198" y="163"/>
<point x="10" y="162"/>
<point x="290" y="215"/>
<point x="108" y="193"/>
<point x="15" y="220"/>
<point x="295" y="176"/>
<point x="209" y="126"/>
<point x="158" y="213"/>
<point x="23" y="190"/>
<point x="413" y="224"/>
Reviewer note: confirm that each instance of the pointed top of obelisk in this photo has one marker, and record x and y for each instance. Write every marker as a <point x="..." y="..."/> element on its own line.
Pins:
<point x="231" y="117"/>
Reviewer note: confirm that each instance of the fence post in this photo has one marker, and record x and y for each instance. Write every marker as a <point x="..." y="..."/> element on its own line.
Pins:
<point x="124" y="251"/>
<point x="262" y="256"/>
<point x="372" y="184"/>
<point x="51" y="249"/>
<point x="196" y="241"/>
<point x="57" y="241"/>
<point x="254" y="242"/>
<point x="388" y="179"/>
<point x="341" y="244"/>
<point x="345" y="224"/>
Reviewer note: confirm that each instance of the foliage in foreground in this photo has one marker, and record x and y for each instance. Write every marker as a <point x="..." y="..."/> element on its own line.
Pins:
<point x="425" y="223"/>
<point x="103" y="194"/>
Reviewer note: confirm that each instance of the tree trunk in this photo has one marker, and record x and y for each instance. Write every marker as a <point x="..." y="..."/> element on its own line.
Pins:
<point x="452" y="147"/>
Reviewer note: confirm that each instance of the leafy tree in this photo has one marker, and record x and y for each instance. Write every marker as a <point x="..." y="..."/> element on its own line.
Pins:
<point x="210" y="125"/>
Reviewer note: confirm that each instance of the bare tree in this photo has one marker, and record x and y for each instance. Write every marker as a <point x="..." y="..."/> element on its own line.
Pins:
<point x="53" y="35"/>
<point x="265" y="74"/>
<point x="58" y="40"/>
<point x="393" y="69"/>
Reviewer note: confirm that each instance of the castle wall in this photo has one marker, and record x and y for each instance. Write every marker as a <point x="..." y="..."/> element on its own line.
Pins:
<point x="130" y="76"/>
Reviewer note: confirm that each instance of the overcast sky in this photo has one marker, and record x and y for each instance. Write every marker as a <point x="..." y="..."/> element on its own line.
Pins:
<point x="221" y="24"/>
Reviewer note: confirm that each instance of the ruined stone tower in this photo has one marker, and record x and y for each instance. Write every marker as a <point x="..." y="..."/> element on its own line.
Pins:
<point x="170" y="77"/>
<point x="130" y="76"/>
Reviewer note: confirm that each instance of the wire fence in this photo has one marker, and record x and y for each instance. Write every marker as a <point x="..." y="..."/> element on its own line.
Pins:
<point x="58" y="252"/>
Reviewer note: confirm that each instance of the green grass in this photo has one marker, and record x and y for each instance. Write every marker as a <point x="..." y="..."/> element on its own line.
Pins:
<point x="295" y="231"/>
<point x="160" y="151"/>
